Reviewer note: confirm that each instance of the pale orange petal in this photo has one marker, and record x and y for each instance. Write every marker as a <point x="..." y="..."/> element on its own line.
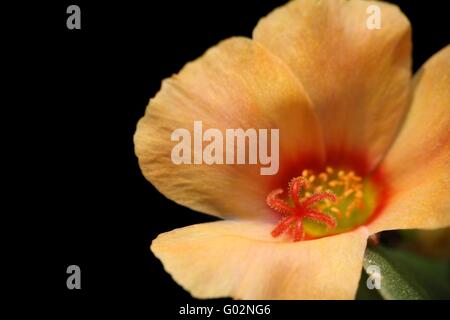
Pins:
<point x="357" y="78"/>
<point x="237" y="84"/>
<point x="418" y="165"/>
<point x="241" y="260"/>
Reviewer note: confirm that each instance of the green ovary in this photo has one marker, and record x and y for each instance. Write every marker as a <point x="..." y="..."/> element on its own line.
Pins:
<point x="352" y="208"/>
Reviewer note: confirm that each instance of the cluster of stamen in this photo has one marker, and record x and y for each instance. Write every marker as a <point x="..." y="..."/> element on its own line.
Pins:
<point x="324" y="198"/>
<point x="346" y="186"/>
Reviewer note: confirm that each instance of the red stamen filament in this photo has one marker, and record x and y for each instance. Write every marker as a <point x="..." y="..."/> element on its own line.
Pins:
<point x="292" y="220"/>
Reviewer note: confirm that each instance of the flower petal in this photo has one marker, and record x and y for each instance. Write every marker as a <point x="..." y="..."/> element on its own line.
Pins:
<point x="237" y="84"/>
<point x="358" y="78"/>
<point x="418" y="164"/>
<point x="241" y="260"/>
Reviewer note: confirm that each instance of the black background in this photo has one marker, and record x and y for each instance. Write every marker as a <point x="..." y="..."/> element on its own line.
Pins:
<point x="88" y="203"/>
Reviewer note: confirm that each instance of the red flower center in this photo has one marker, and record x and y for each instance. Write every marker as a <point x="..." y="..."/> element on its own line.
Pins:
<point x="293" y="216"/>
<point x="323" y="203"/>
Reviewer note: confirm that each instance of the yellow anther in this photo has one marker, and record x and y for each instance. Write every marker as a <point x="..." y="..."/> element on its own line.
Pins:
<point x="333" y="183"/>
<point x="336" y="211"/>
<point x="350" y="209"/>
<point x="323" y="176"/>
<point x="348" y="192"/>
<point x="345" y="185"/>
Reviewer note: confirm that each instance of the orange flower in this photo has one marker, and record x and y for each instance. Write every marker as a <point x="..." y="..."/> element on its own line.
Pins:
<point x="351" y="123"/>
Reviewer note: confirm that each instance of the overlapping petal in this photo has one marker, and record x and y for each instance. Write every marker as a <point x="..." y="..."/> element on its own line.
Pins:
<point x="418" y="165"/>
<point x="237" y="84"/>
<point x="241" y="260"/>
<point x="358" y="78"/>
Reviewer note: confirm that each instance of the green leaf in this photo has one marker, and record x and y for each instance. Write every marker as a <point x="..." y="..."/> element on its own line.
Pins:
<point x="405" y="275"/>
<point x="365" y="293"/>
